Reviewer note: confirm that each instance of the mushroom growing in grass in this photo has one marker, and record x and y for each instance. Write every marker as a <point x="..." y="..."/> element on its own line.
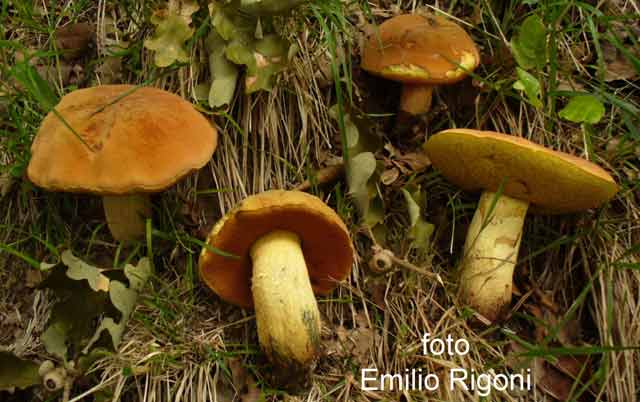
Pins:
<point x="288" y="245"/>
<point x="420" y="52"/>
<point x="121" y="142"/>
<point x="515" y="176"/>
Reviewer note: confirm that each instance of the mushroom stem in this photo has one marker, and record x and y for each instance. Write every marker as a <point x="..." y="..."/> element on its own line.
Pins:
<point x="286" y="310"/>
<point x="490" y="253"/>
<point x="126" y="215"/>
<point x="416" y="98"/>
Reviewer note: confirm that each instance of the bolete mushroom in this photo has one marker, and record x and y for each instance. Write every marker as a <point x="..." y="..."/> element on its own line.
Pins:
<point x="515" y="176"/>
<point x="288" y="245"/>
<point x="120" y="142"/>
<point x="420" y="52"/>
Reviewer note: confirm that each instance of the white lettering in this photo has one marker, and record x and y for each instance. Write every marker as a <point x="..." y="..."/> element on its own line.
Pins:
<point x="365" y="378"/>
<point x="453" y="378"/>
<point x="431" y="382"/>
<point x="391" y="378"/>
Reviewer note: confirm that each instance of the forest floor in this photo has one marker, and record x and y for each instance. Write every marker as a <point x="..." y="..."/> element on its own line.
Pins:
<point x="576" y="301"/>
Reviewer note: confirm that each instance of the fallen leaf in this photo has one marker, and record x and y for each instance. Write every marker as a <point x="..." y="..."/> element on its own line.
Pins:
<point x="17" y="373"/>
<point x="375" y="211"/>
<point x="420" y="231"/>
<point x="363" y="340"/>
<point x="359" y="171"/>
<point x="88" y="298"/>
<point x="54" y="339"/>
<point x="389" y="176"/>
<point x="124" y="299"/>
<point x="172" y="31"/>
<point x="183" y="8"/>
<point x="270" y="57"/>
<point x="416" y="161"/>
<point x="617" y="66"/>
<point x="232" y="25"/>
<point x="224" y="73"/>
<point x="555" y="379"/>
<point x="79" y="270"/>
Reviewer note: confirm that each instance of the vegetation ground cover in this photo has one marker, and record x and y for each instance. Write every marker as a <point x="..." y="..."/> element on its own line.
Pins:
<point x="563" y="74"/>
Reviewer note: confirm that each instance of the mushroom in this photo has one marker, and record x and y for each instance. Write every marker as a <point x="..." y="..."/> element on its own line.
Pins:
<point x="288" y="245"/>
<point x="420" y="52"/>
<point x="121" y="142"/>
<point x="515" y="176"/>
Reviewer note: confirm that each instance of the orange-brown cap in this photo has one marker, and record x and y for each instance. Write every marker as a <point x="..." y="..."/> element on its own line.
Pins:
<point x="422" y="50"/>
<point x="143" y="141"/>
<point x="553" y="182"/>
<point x="324" y="239"/>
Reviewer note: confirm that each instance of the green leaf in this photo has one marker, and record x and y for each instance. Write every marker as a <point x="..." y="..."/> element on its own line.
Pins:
<point x="240" y="53"/>
<point x="351" y="130"/>
<point x="85" y="362"/>
<point x="138" y="275"/>
<point x="421" y="231"/>
<point x="232" y="25"/>
<point x="79" y="270"/>
<point x="360" y="137"/>
<point x="168" y="41"/>
<point x="530" y="44"/>
<point x="583" y="109"/>
<point x="54" y="339"/>
<point x="359" y="171"/>
<point x="268" y="7"/>
<point x="87" y="298"/>
<point x="17" y="373"/>
<point x="270" y="56"/>
<point x="34" y="84"/>
<point x="124" y="299"/>
<point x="375" y="213"/>
<point x="223" y="72"/>
<point x="263" y="54"/>
<point x="530" y="85"/>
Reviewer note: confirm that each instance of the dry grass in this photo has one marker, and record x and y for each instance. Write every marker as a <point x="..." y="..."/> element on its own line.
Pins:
<point x="577" y="279"/>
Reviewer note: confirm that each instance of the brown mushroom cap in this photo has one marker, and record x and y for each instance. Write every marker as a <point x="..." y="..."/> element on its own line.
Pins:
<point x="143" y="142"/>
<point x="422" y="50"/>
<point x="324" y="239"/>
<point x="553" y="182"/>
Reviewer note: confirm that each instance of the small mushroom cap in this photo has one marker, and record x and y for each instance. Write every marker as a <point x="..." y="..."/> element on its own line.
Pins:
<point x="421" y="50"/>
<point x="143" y="142"/>
<point x="553" y="182"/>
<point x="324" y="240"/>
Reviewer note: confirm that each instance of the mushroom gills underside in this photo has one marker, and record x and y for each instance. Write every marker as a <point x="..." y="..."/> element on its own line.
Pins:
<point x="490" y="253"/>
<point x="287" y="313"/>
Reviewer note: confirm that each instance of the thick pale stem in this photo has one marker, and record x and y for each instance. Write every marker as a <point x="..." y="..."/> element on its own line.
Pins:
<point x="126" y="215"/>
<point x="286" y="310"/>
<point x="416" y="98"/>
<point x="490" y="253"/>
